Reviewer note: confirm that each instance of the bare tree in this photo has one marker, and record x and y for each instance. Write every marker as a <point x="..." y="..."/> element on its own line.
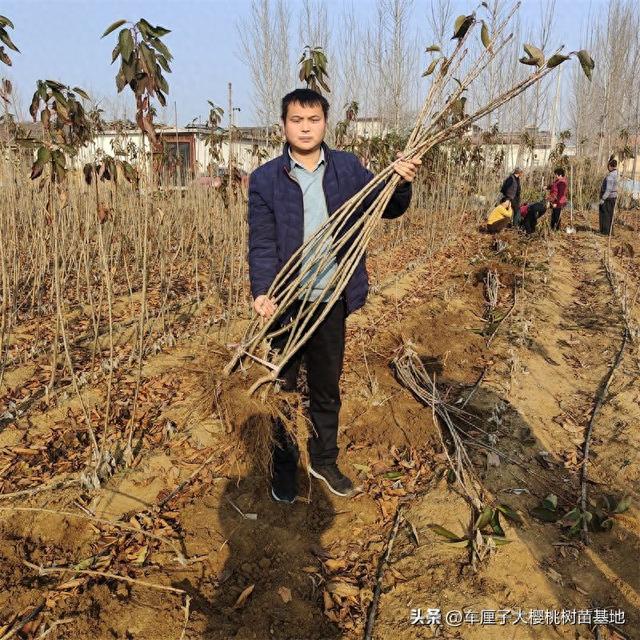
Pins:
<point x="398" y="56"/>
<point x="314" y="24"/>
<point x="264" y="47"/>
<point x="439" y="20"/>
<point x="348" y="84"/>
<point x="606" y="108"/>
<point x="391" y="57"/>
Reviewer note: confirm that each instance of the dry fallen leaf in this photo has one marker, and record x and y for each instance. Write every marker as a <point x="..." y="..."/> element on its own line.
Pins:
<point x="285" y="594"/>
<point x="328" y="600"/>
<point x="242" y="598"/>
<point x="70" y="584"/>
<point x="554" y="575"/>
<point x="493" y="459"/>
<point x="343" y="589"/>
<point x="103" y="213"/>
<point x="139" y="556"/>
<point x="335" y="565"/>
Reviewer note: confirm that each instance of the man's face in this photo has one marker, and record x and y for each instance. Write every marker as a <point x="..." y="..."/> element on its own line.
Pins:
<point x="304" y="127"/>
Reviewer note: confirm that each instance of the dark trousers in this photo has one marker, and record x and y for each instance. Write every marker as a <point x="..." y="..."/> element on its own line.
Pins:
<point x="517" y="218"/>
<point x="323" y="354"/>
<point x="555" y="218"/>
<point x="606" y="216"/>
<point x="498" y="226"/>
<point x="529" y="222"/>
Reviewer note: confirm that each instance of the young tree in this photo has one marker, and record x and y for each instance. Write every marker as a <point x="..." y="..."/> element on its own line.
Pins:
<point x="143" y="58"/>
<point x="65" y="127"/>
<point x="313" y="69"/>
<point x="8" y="118"/>
<point x="214" y="138"/>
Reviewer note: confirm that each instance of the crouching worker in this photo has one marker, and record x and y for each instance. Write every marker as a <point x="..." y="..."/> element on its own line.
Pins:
<point x="289" y="199"/>
<point x="501" y="216"/>
<point x="530" y="213"/>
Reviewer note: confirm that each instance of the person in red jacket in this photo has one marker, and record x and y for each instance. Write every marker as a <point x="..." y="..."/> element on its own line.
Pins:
<point x="557" y="197"/>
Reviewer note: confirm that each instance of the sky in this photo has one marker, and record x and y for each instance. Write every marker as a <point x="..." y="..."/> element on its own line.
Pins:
<point x="60" y="40"/>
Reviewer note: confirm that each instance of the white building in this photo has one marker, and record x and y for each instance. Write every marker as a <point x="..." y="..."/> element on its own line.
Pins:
<point x="250" y="146"/>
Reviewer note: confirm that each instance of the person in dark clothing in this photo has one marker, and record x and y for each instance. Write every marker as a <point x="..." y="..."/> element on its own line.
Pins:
<point x="557" y="197"/>
<point x="511" y="189"/>
<point x="290" y="197"/>
<point x="531" y="213"/>
<point x="608" y="196"/>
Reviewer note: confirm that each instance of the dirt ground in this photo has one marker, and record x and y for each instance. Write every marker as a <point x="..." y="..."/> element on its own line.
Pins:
<point x="529" y="373"/>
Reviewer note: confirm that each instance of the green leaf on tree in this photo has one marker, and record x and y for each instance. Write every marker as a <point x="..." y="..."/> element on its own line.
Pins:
<point x="586" y="62"/>
<point x="83" y="94"/>
<point x="4" y="57"/>
<point x="555" y="60"/>
<point x="431" y="68"/>
<point x="461" y="26"/>
<point x="484" y="35"/>
<point x="534" y="54"/>
<point x="4" y="36"/>
<point x="113" y="27"/>
<point x="44" y="155"/>
<point x="125" y="42"/>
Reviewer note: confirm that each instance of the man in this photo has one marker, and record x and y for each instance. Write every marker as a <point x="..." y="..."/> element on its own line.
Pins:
<point x="608" y="195"/>
<point x="289" y="199"/>
<point x="511" y="189"/>
<point x="557" y="197"/>
<point x="500" y="217"/>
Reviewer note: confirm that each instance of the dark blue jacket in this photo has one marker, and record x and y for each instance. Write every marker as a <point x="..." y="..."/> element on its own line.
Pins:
<point x="276" y="216"/>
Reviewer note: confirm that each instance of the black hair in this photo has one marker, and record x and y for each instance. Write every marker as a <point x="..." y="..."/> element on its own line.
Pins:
<point x="504" y="199"/>
<point x="307" y="98"/>
<point x="613" y="163"/>
<point x="559" y="171"/>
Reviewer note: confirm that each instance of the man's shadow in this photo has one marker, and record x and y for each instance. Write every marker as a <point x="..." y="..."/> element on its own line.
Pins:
<point x="274" y="547"/>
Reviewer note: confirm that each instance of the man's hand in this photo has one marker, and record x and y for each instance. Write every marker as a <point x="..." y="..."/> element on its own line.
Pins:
<point x="264" y="306"/>
<point x="407" y="169"/>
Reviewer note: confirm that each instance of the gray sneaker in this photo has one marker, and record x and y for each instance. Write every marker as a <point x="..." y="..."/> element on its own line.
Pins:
<point x="337" y="482"/>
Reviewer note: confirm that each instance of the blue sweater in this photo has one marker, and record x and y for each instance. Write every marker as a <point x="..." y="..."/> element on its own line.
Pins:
<point x="276" y="216"/>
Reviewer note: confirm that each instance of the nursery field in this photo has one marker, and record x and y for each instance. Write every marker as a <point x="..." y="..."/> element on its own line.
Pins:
<point x="531" y="345"/>
<point x="490" y="400"/>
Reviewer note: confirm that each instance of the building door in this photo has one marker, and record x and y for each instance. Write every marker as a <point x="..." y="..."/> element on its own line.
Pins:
<point x="176" y="164"/>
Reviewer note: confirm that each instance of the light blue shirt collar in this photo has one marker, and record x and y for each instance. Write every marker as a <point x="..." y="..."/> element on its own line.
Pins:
<point x="295" y="163"/>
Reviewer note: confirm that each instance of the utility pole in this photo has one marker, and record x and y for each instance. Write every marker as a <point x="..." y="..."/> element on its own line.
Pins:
<point x="555" y="112"/>
<point x="177" y="177"/>
<point x="230" y="158"/>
